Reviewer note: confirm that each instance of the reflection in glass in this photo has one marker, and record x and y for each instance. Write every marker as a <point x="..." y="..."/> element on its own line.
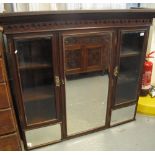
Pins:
<point x="130" y="58"/>
<point x="87" y="81"/>
<point x="86" y="101"/>
<point x="122" y="114"/>
<point x="43" y="135"/>
<point x="132" y="43"/>
<point x="36" y="76"/>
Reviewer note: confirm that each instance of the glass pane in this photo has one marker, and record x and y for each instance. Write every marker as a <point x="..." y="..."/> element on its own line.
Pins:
<point x="132" y="43"/>
<point x="36" y="75"/>
<point x="122" y="114"/>
<point x="43" y="135"/>
<point x="86" y="101"/>
<point x="130" y="58"/>
<point x="87" y="88"/>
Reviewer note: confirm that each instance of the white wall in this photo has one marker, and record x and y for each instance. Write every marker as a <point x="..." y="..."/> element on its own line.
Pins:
<point x="20" y="7"/>
<point x="1" y="7"/>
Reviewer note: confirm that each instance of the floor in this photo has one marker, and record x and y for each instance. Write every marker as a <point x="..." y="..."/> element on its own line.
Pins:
<point x="136" y="135"/>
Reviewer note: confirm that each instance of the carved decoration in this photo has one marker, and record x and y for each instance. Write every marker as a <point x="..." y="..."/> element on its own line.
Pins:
<point x="85" y="53"/>
<point x="83" y="40"/>
<point x="73" y="59"/>
<point x="94" y="57"/>
<point x="46" y="26"/>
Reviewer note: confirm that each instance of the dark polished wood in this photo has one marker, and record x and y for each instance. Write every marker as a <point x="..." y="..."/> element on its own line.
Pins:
<point x="79" y="41"/>
<point x="1" y="72"/>
<point x="4" y="103"/>
<point x="7" y="122"/>
<point x="1" y="43"/>
<point x="58" y="20"/>
<point x="86" y="52"/>
<point x="10" y="143"/>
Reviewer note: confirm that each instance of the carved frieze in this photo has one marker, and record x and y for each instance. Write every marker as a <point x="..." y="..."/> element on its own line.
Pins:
<point x="58" y="25"/>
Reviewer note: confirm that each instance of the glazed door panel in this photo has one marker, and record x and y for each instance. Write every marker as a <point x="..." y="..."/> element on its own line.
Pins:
<point x="131" y="54"/>
<point x="86" y="91"/>
<point x="36" y="61"/>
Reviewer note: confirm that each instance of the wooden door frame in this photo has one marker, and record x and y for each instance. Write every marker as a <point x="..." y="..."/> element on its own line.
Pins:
<point x="17" y="81"/>
<point x="110" y="70"/>
<point x="120" y="32"/>
<point x="132" y="102"/>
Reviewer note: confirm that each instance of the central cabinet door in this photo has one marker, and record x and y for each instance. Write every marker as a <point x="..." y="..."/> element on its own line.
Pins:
<point x="86" y="76"/>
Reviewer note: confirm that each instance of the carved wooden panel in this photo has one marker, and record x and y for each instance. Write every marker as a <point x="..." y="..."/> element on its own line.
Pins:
<point x="94" y="57"/>
<point x="91" y="54"/>
<point x="85" y="40"/>
<point x="71" y="40"/>
<point x="73" y="60"/>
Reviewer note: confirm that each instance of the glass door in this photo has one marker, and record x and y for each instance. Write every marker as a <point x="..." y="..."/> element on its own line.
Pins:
<point x="86" y="74"/>
<point x="131" y="54"/>
<point x="36" y="61"/>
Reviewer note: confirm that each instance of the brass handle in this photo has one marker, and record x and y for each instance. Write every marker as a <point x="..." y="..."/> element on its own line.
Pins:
<point x="116" y="71"/>
<point x="57" y="81"/>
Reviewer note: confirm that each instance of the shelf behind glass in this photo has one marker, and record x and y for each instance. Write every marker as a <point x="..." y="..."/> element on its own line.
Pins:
<point x="24" y="66"/>
<point x="127" y="77"/>
<point x="38" y="93"/>
<point x="129" y="52"/>
<point x="40" y="111"/>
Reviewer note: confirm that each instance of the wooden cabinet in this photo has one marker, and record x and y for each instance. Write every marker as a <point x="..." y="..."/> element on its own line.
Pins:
<point x="74" y="72"/>
<point x="9" y="136"/>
